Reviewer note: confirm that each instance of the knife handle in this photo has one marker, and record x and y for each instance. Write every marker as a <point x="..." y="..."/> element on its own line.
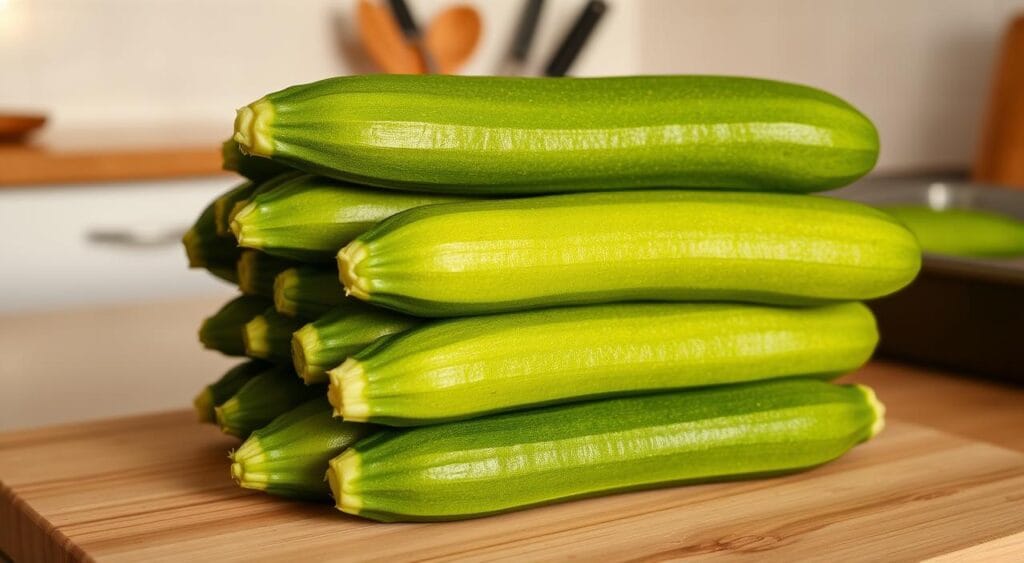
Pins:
<point x="405" y="20"/>
<point x="577" y="37"/>
<point x="526" y="29"/>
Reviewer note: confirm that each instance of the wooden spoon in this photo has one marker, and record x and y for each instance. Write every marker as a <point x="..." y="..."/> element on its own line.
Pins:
<point x="451" y="37"/>
<point x="383" y="41"/>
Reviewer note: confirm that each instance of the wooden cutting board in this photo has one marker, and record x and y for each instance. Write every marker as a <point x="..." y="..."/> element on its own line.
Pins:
<point x="156" y="488"/>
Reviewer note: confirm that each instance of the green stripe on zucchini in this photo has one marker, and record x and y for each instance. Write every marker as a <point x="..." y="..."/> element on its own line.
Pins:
<point x="496" y="135"/>
<point x="517" y="460"/>
<point x="668" y="245"/>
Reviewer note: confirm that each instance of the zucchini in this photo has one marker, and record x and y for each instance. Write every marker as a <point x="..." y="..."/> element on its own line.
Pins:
<point x="309" y="218"/>
<point x="289" y="456"/>
<point x="496" y="135"/>
<point x="347" y="329"/>
<point x="963" y="232"/>
<point x="308" y="291"/>
<point x="268" y="336"/>
<point x="253" y="168"/>
<point x="222" y="206"/>
<point x="257" y="271"/>
<point x="223" y="330"/>
<point x="516" y="460"/>
<point x="229" y="207"/>
<point x="668" y="245"/>
<point x="464" y="368"/>
<point x="263" y="398"/>
<point x="207" y="250"/>
<point x="216" y="393"/>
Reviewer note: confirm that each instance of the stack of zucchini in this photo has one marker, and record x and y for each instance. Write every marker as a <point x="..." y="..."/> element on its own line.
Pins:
<point x="468" y="295"/>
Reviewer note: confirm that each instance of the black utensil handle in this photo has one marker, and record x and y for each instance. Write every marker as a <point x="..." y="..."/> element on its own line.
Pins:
<point x="526" y="29"/>
<point x="405" y="20"/>
<point x="577" y="37"/>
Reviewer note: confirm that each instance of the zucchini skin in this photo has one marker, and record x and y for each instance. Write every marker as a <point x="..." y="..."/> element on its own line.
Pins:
<point x="214" y="394"/>
<point x="962" y="232"/>
<point x="309" y="218"/>
<point x="289" y="456"/>
<point x="308" y="291"/>
<point x="497" y="135"/>
<point x="223" y="330"/>
<point x="263" y="398"/>
<point x="517" y="460"/>
<point x="253" y="168"/>
<point x="268" y="336"/>
<point x="222" y="206"/>
<point x="205" y="249"/>
<point x="257" y="271"/>
<point x="465" y="368"/>
<point x="328" y="341"/>
<point x="668" y="245"/>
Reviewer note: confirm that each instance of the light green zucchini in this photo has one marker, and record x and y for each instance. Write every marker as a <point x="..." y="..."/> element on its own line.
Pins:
<point x="207" y="250"/>
<point x="253" y="168"/>
<point x="230" y="207"/>
<point x="308" y="291"/>
<point x="347" y="329"/>
<point x="516" y="460"/>
<point x="289" y="456"/>
<point x="963" y="232"/>
<point x="257" y="271"/>
<point x="222" y="331"/>
<point x="309" y="217"/>
<point x="464" y="368"/>
<point x="668" y="245"/>
<point x="268" y="336"/>
<point x="496" y="135"/>
<point x="263" y="398"/>
<point x="214" y="394"/>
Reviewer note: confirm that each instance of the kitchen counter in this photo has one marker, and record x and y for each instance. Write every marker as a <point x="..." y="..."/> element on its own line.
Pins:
<point x="88" y="156"/>
<point x="943" y="480"/>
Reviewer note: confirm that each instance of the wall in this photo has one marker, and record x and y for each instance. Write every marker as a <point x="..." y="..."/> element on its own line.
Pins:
<point x="919" y="68"/>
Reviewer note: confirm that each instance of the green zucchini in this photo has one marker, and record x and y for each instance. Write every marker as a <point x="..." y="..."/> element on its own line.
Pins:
<point x="263" y="398"/>
<point x="517" y="460"/>
<point x="214" y="394"/>
<point x="222" y="206"/>
<point x="257" y="271"/>
<point x="229" y="207"/>
<point x="207" y="250"/>
<point x="963" y="232"/>
<point x="253" y="168"/>
<point x="464" y="368"/>
<point x="347" y="329"/>
<point x="495" y="135"/>
<point x="308" y="291"/>
<point x="289" y="456"/>
<point x="268" y="336"/>
<point x="223" y="330"/>
<point x="668" y="245"/>
<point x="309" y="218"/>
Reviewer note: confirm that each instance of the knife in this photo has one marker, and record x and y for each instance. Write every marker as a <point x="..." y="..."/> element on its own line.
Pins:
<point x="412" y="33"/>
<point x="576" y="38"/>
<point x="514" y="63"/>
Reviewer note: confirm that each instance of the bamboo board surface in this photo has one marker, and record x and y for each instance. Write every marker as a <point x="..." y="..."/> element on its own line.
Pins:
<point x="156" y="487"/>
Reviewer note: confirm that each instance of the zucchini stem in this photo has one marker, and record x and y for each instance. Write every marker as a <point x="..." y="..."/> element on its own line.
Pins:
<point x="349" y="259"/>
<point x="252" y="128"/>
<point x="347" y="391"/>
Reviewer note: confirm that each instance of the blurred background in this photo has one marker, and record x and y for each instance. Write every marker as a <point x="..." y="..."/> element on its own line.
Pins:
<point x="112" y="113"/>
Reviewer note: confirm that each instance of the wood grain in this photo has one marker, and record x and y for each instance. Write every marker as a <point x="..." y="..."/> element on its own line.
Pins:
<point x="156" y="488"/>
<point x="22" y="166"/>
